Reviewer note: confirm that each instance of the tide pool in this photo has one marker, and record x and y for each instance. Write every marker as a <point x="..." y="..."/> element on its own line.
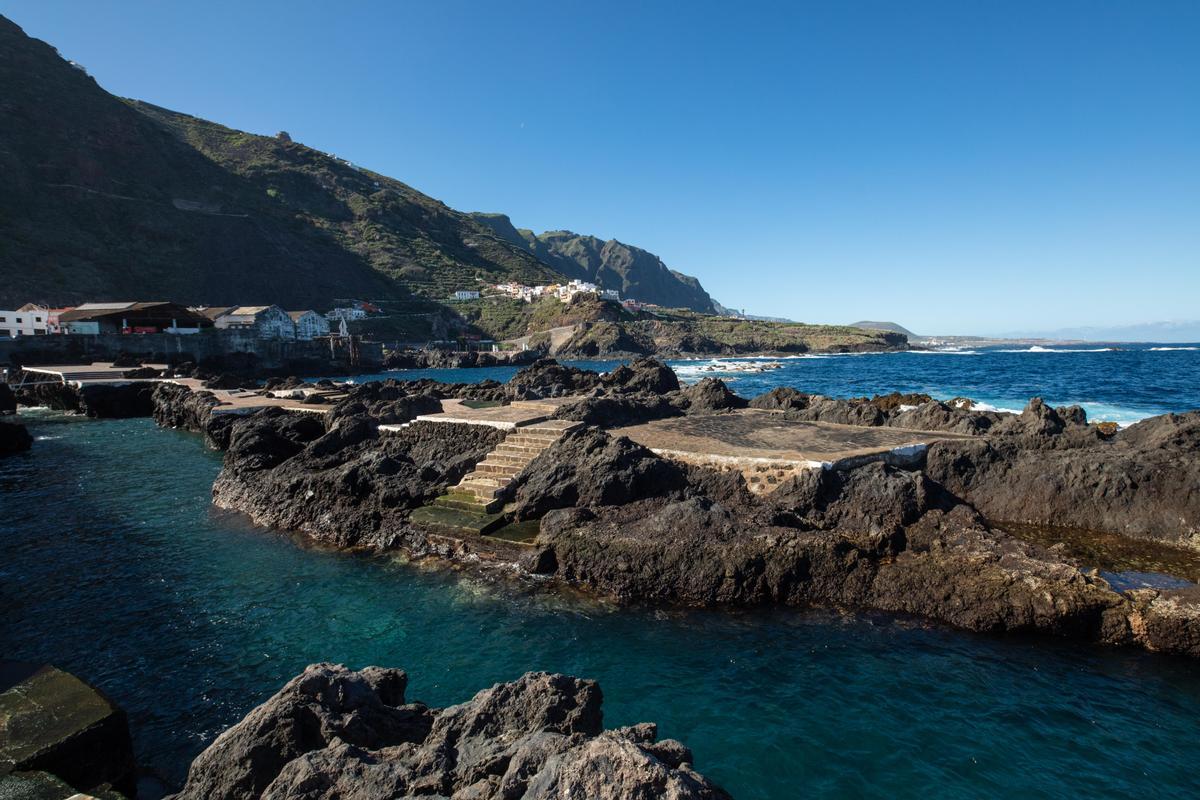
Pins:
<point x="117" y="568"/>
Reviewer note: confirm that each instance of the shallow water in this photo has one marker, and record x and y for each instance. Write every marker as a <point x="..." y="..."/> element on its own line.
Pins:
<point x="116" y="567"/>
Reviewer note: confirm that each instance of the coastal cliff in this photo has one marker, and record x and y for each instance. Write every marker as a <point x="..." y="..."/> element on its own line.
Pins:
<point x="621" y="522"/>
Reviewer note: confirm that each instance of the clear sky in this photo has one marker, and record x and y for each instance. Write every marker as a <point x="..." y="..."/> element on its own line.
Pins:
<point x="958" y="167"/>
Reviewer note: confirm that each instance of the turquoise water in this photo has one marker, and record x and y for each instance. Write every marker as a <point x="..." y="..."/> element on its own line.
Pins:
<point x="1122" y="385"/>
<point x="116" y="567"/>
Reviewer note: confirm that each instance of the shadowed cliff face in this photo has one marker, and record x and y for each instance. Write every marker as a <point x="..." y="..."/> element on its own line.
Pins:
<point x="106" y="198"/>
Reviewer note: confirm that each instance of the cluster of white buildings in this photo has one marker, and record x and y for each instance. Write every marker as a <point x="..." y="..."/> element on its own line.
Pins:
<point x="265" y="322"/>
<point x="563" y="291"/>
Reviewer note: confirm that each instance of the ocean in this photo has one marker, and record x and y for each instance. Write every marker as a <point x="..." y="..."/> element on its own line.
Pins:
<point x="116" y="567"/>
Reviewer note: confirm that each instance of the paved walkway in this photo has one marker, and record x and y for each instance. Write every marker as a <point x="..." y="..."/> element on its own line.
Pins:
<point x="768" y="449"/>
<point x="515" y="415"/>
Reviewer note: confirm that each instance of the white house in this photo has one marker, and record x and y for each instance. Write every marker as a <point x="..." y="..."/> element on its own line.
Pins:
<point x="611" y="294"/>
<point x="348" y="314"/>
<point x="268" y="322"/>
<point x="462" y="294"/>
<point x="309" y="324"/>
<point x="24" y="323"/>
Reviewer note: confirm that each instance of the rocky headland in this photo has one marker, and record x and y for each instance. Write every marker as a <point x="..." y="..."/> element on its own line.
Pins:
<point x="336" y="733"/>
<point x="618" y="521"/>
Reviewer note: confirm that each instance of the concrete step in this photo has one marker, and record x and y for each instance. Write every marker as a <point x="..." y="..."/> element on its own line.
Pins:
<point x="520" y="437"/>
<point x="479" y="488"/>
<point x="512" y="459"/>
<point x="518" y="449"/>
<point x="465" y="501"/>
<point x="499" y="470"/>
<point x="552" y="426"/>
<point x="480" y="479"/>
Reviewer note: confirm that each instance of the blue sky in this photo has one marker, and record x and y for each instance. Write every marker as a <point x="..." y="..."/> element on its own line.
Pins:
<point x="959" y="167"/>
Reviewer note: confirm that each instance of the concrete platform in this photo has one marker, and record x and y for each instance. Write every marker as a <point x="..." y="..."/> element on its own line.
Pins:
<point x="517" y="414"/>
<point x="80" y="375"/>
<point x="767" y="449"/>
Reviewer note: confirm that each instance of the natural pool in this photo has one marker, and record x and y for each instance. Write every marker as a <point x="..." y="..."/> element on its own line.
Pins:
<point x="116" y="567"/>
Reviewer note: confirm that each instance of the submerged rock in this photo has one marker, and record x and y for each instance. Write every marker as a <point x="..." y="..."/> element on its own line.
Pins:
<point x="336" y="733"/>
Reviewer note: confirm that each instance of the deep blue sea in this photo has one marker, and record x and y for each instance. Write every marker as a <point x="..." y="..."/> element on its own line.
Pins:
<point x="1122" y="385"/>
<point x="116" y="567"/>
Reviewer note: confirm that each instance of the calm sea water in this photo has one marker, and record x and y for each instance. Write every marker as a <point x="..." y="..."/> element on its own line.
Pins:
<point x="116" y="567"/>
<point x="1122" y="385"/>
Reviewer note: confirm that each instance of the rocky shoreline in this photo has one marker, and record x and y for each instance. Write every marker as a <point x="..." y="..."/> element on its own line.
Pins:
<point x="332" y="732"/>
<point x="336" y="733"/>
<point x="620" y="522"/>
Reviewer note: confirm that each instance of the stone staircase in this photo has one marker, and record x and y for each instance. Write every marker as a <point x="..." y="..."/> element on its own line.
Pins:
<point x="478" y="491"/>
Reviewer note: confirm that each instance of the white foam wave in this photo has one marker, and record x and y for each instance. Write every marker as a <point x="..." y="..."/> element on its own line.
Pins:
<point x="1164" y="349"/>
<point x="1040" y="349"/>
<point x="947" y="352"/>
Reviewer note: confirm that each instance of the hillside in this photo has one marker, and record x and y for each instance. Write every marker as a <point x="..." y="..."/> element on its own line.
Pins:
<point x="680" y="332"/>
<point x="603" y="328"/>
<point x="632" y="271"/>
<point x="106" y="198"/>
<point x="885" y="326"/>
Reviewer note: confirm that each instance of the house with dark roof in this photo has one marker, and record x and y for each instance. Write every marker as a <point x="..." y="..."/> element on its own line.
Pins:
<point x="132" y="317"/>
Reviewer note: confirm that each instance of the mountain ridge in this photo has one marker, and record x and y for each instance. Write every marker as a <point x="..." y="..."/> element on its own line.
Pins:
<point x="633" y="271"/>
<point x="112" y="199"/>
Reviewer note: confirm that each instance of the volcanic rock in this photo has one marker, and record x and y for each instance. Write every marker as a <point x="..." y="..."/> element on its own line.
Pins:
<point x="334" y="733"/>
<point x="1048" y="470"/>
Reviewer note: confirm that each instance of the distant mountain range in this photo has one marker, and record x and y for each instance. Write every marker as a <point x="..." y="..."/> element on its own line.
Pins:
<point x="112" y="199"/>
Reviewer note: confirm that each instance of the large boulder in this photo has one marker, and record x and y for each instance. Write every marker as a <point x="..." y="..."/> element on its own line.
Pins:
<point x="334" y="733"/>
<point x="587" y="467"/>
<point x="547" y="378"/>
<point x="709" y="395"/>
<point x="642" y="375"/>
<point x="53" y="722"/>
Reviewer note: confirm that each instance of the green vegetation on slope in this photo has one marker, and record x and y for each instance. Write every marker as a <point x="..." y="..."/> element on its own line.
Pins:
<point x="632" y="271"/>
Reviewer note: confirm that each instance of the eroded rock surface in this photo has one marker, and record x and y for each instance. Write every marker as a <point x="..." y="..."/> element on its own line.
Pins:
<point x="336" y="733"/>
<point x="1045" y="467"/>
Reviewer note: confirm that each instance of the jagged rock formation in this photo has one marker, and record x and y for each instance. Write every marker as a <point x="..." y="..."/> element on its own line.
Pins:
<point x="336" y="733"/>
